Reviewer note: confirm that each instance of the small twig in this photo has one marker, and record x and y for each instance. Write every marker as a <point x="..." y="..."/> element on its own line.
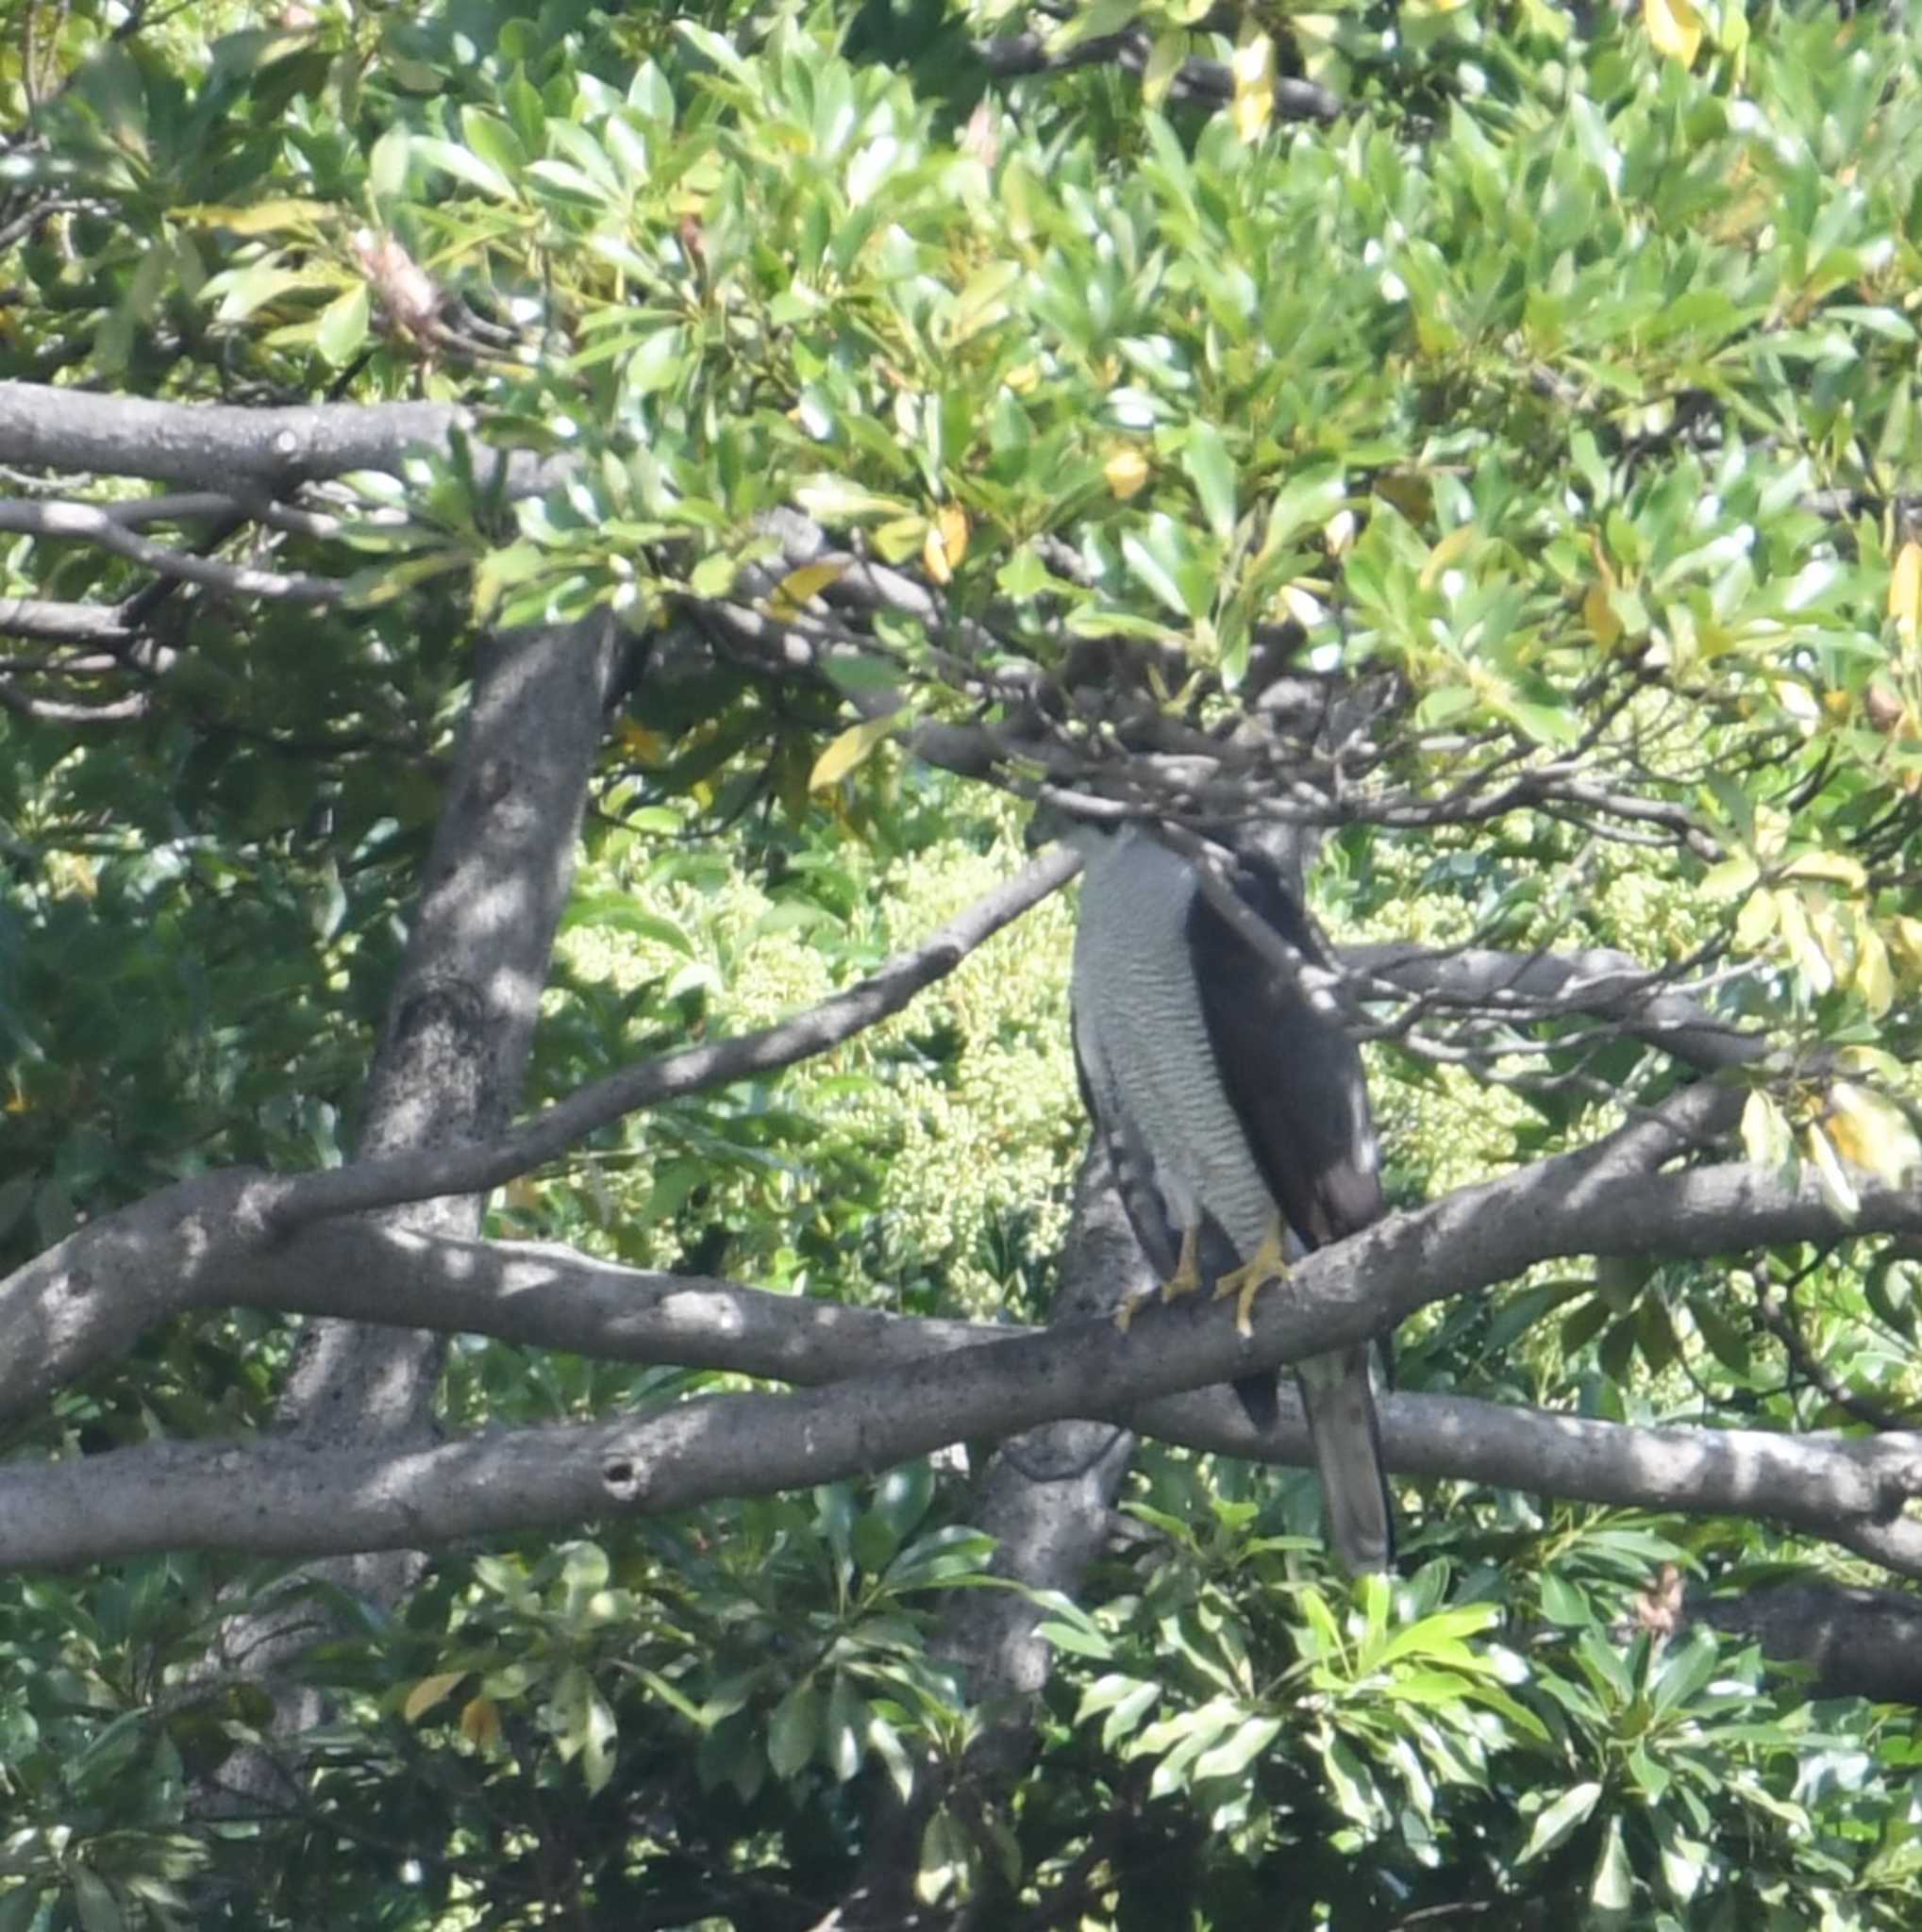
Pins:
<point x="1776" y="1306"/>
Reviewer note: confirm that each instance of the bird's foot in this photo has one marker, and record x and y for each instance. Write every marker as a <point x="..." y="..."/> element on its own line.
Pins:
<point x="1186" y="1278"/>
<point x="1268" y="1264"/>
<point x="1124" y="1309"/>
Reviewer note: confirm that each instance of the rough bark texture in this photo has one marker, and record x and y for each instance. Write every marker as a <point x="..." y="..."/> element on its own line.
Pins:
<point x="449" y="1066"/>
<point x="1855" y="1642"/>
<point x="1046" y="1499"/>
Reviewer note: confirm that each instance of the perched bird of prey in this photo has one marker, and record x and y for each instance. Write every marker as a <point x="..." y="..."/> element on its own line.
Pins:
<point x="1236" y="1117"/>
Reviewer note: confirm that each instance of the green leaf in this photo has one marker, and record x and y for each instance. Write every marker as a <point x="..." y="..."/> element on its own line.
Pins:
<point x="1687" y="1671"/>
<point x="1236" y="1752"/>
<point x="94" y="1901"/>
<point x="342" y="326"/>
<point x="1555" y="1821"/>
<point x="1212" y="470"/>
<point x="845" y="1729"/>
<point x="795" y="1729"/>
<point x="452" y="159"/>
<point x="1612" y="1892"/>
<point x="20" y="1907"/>
<point x="1561" y="1603"/>
<point x="494" y="142"/>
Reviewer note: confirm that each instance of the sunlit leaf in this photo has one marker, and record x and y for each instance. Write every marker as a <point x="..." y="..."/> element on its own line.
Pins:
<point x="1905" y="591"/>
<point x="1555" y="1820"/>
<point x="1872" y="1133"/>
<point x="1253" y="70"/>
<point x="849" y="751"/>
<point x="429" y="1692"/>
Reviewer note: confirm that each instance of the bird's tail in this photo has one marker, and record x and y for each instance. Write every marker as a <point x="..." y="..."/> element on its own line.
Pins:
<point x="1338" y="1392"/>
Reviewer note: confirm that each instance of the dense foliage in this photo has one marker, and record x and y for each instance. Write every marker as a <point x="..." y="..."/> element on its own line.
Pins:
<point x="1559" y="384"/>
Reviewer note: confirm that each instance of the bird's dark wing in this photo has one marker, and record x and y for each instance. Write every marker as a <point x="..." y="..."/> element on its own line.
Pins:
<point x="1293" y="1076"/>
<point x="1295" y="1082"/>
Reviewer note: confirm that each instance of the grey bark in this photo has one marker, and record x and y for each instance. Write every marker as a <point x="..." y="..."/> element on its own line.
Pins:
<point x="1855" y="1642"/>
<point x="447" y="1071"/>
<point x="1046" y="1498"/>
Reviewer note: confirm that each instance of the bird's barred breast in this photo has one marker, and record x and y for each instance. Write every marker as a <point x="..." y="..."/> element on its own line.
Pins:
<point x="1137" y="1004"/>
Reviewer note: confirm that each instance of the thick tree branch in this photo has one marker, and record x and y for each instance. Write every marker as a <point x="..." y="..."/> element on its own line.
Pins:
<point x="210" y="446"/>
<point x="1847" y="1491"/>
<point x="284" y="1496"/>
<point x="448" y="1068"/>
<point x="56" y="622"/>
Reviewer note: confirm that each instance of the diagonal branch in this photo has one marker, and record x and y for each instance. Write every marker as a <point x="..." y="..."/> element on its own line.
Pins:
<point x="691" y="1070"/>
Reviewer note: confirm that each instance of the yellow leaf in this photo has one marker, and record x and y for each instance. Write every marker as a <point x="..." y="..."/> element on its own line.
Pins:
<point x="1459" y="539"/>
<point x="945" y="543"/>
<point x="899" y="537"/>
<point x="1836" y="1187"/>
<point x="1598" y="613"/>
<point x="1675" y="27"/>
<point x="849" y="751"/>
<point x="1905" y="590"/>
<point x="1254" y="87"/>
<point x="1732" y="876"/>
<point x="1764" y="1131"/>
<point x="1756" y="923"/>
<point x="792" y="594"/>
<point x="1906" y="933"/>
<point x="429" y="1692"/>
<point x="1127" y="471"/>
<point x="1872" y="1133"/>
<point x="648" y="746"/>
<point x="480" y="1723"/>
<point x="262" y="218"/>
<point x="1804" y="948"/>
<point x="1837" y="866"/>
<point x="1874" y="979"/>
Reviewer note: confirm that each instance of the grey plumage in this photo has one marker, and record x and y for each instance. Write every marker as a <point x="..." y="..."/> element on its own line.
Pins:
<point x="1227" y="1099"/>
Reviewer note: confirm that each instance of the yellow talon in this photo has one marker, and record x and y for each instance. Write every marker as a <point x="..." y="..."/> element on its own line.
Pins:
<point x="1124" y="1310"/>
<point x="1268" y="1264"/>
<point x="1186" y="1278"/>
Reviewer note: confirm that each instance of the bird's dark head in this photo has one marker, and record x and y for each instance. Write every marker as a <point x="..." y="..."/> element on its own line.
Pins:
<point x="1052" y="822"/>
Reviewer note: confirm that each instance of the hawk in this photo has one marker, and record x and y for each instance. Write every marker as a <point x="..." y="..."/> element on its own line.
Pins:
<point x="1235" y="1114"/>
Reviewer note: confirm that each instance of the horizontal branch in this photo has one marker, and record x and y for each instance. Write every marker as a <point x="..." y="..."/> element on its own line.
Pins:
<point x="53" y="623"/>
<point x="301" y="1501"/>
<point x="212" y="446"/>
<point x="85" y="522"/>
<point x="1599" y="981"/>
<point x="278" y="1496"/>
